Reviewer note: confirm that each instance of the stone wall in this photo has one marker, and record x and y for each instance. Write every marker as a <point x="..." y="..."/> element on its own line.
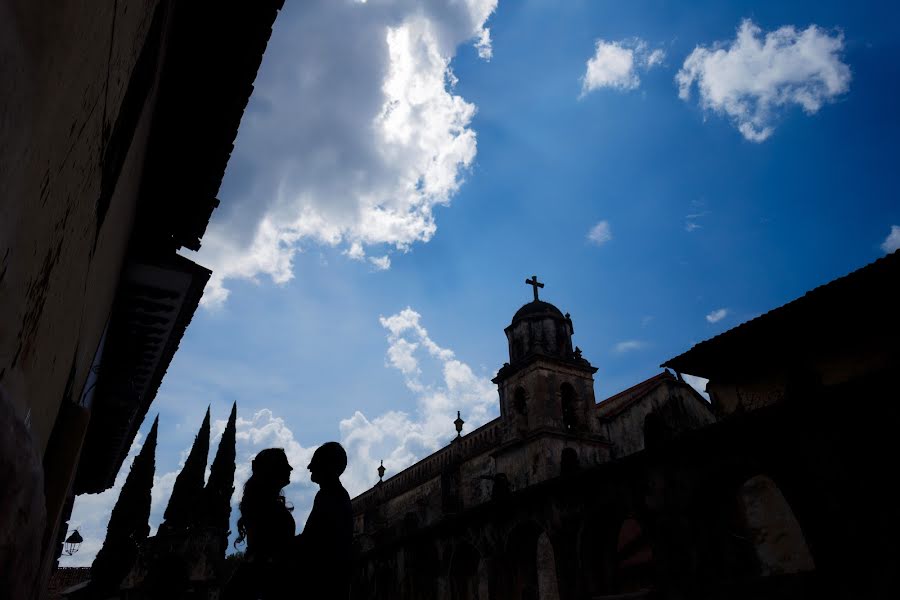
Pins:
<point x="758" y="506"/>
<point x="70" y="170"/>
<point x="679" y="406"/>
<point x="65" y="74"/>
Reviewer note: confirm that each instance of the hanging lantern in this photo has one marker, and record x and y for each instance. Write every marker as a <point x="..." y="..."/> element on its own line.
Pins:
<point x="70" y="546"/>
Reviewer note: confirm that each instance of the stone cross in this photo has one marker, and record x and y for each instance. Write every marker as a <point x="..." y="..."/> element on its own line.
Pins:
<point x="533" y="282"/>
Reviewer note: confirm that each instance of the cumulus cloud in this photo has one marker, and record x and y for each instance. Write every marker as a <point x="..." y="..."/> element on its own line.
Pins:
<point x="616" y="64"/>
<point x="442" y="385"/>
<point x="628" y="346"/>
<point x="750" y="78"/>
<point x="892" y="241"/>
<point x="381" y="263"/>
<point x="717" y="315"/>
<point x="352" y="138"/>
<point x="600" y="233"/>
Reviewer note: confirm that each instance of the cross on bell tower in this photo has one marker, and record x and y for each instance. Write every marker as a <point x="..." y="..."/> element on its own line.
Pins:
<point x="534" y="283"/>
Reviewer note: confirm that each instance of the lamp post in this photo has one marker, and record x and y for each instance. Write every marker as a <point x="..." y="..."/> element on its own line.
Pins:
<point x="459" y="424"/>
<point x="70" y="546"/>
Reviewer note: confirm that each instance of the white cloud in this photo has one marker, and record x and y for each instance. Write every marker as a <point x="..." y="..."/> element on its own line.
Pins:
<point x="355" y="251"/>
<point x="698" y="383"/>
<point x="381" y="263"/>
<point x="600" y="233"/>
<point x="655" y="58"/>
<point x="616" y="64"/>
<point x="690" y="221"/>
<point x="400" y="438"/>
<point x="892" y="241"/>
<point x="751" y="77"/>
<point x="483" y="44"/>
<point x="352" y="138"/>
<point x="717" y="315"/>
<point x="628" y="346"/>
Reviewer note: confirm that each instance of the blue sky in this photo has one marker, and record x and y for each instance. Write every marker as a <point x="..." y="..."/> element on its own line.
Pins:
<point x="399" y="173"/>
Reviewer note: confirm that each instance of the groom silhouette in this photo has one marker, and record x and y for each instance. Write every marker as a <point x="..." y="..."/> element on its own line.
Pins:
<point x="325" y="544"/>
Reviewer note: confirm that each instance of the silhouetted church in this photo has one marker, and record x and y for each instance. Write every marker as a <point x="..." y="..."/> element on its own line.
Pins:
<point x="550" y="425"/>
<point x="777" y="488"/>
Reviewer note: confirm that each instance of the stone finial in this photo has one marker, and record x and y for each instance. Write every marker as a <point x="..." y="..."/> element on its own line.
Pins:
<point x="381" y="470"/>
<point x="459" y="424"/>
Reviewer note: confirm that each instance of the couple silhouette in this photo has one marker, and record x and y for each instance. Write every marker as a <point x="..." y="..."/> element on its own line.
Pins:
<point x="278" y="564"/>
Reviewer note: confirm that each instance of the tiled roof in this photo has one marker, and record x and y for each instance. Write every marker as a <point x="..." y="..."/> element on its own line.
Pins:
<point x="64" y="578"/>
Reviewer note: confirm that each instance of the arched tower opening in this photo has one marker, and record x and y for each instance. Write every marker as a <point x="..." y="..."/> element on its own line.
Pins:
<point x="569" y="406"/>
<point x="520" y="401"/>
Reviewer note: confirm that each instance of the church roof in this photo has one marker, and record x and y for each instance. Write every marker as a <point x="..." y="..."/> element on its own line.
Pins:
<point x="537" y="309"/>
<point x="616" y="403"/>
<point x="857" y="310"/>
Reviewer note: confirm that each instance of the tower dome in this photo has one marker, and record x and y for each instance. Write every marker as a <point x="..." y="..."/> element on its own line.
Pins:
<point x="539" y="328"/>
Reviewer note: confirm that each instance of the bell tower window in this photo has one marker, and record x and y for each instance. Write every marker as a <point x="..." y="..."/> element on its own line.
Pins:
<point x="520" y="404"/>
<point x="569" y="401"/>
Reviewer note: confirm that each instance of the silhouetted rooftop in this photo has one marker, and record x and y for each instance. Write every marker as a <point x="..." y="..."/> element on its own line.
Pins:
<point x="620" y="401"/>
<point x="858" y="311"/>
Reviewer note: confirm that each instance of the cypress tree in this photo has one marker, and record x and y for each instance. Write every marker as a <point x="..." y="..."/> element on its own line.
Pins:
<point x="129" y="522"/>
<point x="186" y="501"/>
<point x="220" y="486"/>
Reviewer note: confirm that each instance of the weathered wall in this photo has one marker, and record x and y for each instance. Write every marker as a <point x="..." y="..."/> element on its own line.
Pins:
<point x="675" y="402"/>
<point x="65" y="72"/>
<point x="70" y="170"/>
<point x="542" y="383"/>
<point x="723" y="515"/>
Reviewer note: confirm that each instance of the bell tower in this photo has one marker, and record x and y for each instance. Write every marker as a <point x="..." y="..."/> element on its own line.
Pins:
<point x="547" y="386"/>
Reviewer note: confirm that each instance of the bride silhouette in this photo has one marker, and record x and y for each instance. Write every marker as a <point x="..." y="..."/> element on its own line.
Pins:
<point x="267" y="525"/>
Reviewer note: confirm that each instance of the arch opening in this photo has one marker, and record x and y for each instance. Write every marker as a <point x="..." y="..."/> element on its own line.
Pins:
<point x="569" y="403"/>
<point x="520" y="401"/>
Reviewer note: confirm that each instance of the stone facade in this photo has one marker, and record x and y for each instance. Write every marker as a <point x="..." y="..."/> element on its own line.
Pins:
<point x="470" y="537"/>
<point x="785" y="493"/>
<point x="662" y="406"/>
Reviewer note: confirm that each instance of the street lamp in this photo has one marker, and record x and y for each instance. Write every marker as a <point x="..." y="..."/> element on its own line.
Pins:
<point x="72" y="542"/>
<point x="459" y="424"/>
